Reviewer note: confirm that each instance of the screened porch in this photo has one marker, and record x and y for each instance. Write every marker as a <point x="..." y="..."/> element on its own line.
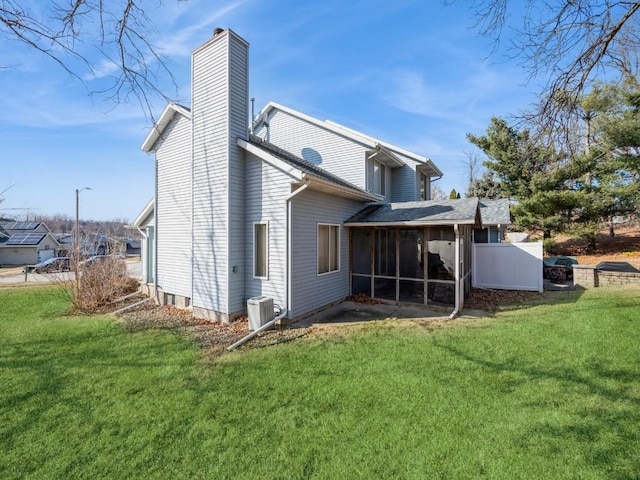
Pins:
<point x="416" y="258"/>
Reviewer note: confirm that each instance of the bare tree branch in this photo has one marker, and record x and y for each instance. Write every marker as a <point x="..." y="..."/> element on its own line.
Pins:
<point x="95" y="33"/>
<point x="567" y="43"/>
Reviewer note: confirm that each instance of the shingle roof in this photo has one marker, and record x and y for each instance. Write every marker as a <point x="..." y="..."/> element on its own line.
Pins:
<point x="303" y="165"/>
<point x="495" y="212"/>
<point x="430" y="212"/>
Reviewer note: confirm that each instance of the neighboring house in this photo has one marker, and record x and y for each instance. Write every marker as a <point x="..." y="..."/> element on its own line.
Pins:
<point x="295" y="208"/>
<point x="26" y="243"/>
<point x="495" y="218"/>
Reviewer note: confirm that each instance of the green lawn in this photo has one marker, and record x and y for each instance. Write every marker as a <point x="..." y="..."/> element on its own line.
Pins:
<point x="550" y="391"/>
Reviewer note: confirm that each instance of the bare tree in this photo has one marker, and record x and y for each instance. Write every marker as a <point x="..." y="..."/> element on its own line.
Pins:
<point x="82" y="36"/>
<point x="437" y="193"/>
<point x="570" y="42"/>
<point x="473" y="164"/>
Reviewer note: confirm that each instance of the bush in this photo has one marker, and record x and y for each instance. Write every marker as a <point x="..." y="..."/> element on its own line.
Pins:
<point x="549" y="246"/>
<point x="101" y="282"/>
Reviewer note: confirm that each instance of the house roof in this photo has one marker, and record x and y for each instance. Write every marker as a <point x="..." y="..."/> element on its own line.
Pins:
<point x="4" y="236"/>
<point x="147" y="211"/>
<point x="463" y="211"/>
<point x="20" y="226"/>
<point x="304" y="168"/>
<point x="495" y="212"/>
<point x="165" y="118"/>
<point x="371" y="142"/>
<point x="25" y="239"/>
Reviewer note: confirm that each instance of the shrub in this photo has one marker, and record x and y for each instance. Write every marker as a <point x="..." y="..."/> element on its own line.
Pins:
<point x="101" y="280"/>
<point x="549" y="246"/>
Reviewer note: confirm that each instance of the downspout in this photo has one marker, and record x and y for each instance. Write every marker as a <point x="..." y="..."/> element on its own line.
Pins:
<point x="456" y="307"/>
<point x="287" y="273"/>
<point x="287" y="257"/>
<point x="264" y="327"/>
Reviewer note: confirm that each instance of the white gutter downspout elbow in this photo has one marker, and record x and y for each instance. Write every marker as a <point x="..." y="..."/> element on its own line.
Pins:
<point x="287" y="267"/>
<point x="264" y="327"/>
<point x="456" y="308"/>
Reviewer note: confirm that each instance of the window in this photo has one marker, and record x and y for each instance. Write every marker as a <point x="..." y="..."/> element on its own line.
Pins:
<point x="378" y="178"/>
<point x="260" y="250"/>
<point x="328" y="248"/>
<point x="423" y="194"/>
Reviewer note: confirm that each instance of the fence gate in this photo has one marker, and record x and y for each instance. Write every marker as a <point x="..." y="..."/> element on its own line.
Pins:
<point x="508" y="266"/>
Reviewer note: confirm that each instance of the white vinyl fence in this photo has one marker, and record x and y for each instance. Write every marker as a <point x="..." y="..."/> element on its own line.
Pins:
<point x="508" y="266"/>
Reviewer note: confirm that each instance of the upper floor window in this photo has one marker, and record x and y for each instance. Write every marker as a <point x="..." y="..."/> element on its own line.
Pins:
<point x="423" y="186"/>
<point x="379" y="178"/>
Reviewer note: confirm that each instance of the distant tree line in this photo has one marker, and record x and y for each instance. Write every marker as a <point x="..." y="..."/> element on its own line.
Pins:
<point x="65" y="224"/>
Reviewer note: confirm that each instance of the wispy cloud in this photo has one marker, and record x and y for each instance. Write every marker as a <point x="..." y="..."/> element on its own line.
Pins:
<point x="183" y="41"/>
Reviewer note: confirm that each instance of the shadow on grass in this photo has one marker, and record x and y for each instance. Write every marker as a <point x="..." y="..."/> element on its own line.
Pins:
<point x="604" y="420"/>
<point x="79" y="377"/>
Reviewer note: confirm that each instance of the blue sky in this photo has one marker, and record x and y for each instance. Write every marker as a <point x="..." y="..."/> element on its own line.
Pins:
<point x="410" y="72"/>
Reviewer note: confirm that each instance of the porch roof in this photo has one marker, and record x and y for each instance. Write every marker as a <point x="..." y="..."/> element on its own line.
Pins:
<point x="495" y="212"/>
<point x="462" y="211"/>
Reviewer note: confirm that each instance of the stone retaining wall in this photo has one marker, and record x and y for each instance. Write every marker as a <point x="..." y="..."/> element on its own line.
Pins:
<point x="586" y="276"/>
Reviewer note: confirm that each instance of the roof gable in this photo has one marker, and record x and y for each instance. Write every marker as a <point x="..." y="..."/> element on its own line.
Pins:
<point x="165" y="118"/>
<point x="371" y="142"/>
<point x="146" y="215"/>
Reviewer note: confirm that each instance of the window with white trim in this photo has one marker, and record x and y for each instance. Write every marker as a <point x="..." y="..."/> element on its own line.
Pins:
<point x="260" y="250"/>
<point x="379" y="177"/>
<point x="328" y="248"/>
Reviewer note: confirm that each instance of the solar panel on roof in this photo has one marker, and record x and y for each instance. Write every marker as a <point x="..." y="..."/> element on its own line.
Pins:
<point x="21" y="226"/>
<point x="25" y="239"/>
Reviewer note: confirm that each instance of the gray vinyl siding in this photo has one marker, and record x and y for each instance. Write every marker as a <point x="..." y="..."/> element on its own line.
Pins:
<point x="339" y="155"/>
<point x="311" y="291"/>
<point x="404" y="185"/>
<point x="267" y="188"/>
<point x="173" y="208"/>
<point x="219" y="117"/>
<point x="329" y="150"/>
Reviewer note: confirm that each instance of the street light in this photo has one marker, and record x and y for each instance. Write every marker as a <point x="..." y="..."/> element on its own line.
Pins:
<point x="77" y="242"/>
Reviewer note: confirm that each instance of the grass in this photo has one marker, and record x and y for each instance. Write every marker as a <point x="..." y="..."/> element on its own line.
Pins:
<point x="548" y="391"/>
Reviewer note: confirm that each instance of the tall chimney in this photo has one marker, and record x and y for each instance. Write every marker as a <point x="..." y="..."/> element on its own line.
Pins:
<point x="220" y="105"/>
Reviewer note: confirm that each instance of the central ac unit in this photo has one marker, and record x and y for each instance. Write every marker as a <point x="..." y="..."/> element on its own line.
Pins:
<point x="260" y="311"/>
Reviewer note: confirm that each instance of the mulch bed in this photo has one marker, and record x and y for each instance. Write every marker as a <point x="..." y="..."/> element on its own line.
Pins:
<point x="215" y="337"/>
<point x="493" y="300"/>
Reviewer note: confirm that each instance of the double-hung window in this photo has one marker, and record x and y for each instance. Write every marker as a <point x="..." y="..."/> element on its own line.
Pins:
<point x="260" y="250"/>
<point x="328" y="248"/>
